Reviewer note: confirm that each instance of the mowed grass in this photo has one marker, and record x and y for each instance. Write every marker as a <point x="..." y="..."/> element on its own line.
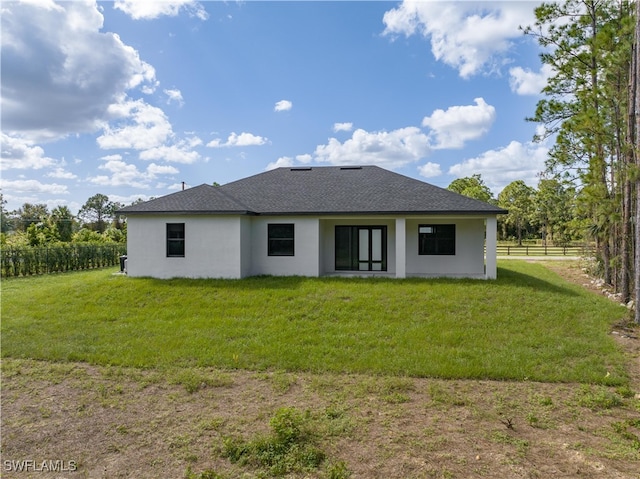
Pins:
<point x="529" y="324"/>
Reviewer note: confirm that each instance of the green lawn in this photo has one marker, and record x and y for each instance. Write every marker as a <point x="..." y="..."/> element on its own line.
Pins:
<point x="528" y="324"/>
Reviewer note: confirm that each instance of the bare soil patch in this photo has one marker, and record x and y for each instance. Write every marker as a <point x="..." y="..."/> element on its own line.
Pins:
<point x="109" y="422"/>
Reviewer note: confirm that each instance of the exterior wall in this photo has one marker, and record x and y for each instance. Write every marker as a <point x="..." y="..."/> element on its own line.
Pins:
<point x="491" y="260"/>
<point x="245" y="248"/>
<point x="235" y="247"/>
<point x="304" y="262"/>
<point x="212" y="247"/>
<point x="401" y="248"/>
<point x="468" y="260"/>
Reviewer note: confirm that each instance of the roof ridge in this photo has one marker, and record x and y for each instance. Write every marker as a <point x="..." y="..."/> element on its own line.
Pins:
<point x="163" y="197"/>
<point x="233" y="198"/>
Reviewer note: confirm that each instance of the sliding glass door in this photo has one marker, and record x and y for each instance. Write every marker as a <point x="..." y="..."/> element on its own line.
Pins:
<point x="361" y="248"/>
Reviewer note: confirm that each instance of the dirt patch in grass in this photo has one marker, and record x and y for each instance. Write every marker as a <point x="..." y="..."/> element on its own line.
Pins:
<point x="70" y="420"/>
<point x="110" y="423"/>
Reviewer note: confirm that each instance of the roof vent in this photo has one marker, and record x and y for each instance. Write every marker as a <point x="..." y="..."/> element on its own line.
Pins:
<point x="351" y="167"/>
<point x="305" y="168"/>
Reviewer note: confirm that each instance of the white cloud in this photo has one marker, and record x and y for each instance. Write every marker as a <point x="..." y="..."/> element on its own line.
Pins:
<point x="142" y="127"/>
<point x="177" y="153"/>
<point x="430" y="170"/>
<point x="62" y="174"/>
<point x="174" y="95"/>
<point x="468" y="36"/>
<point x="526" y="82"/>
<point x="387" y="149"/>
<point x="342" y="127"/>
<point x="243" y="139"/>
<point x="282" y="162"/>
<point x="287" y="161"/>
<point x="17" y="187"/>
<point x="124" y="174"/>
<point x="155" y="170"/>
<point x="458" y="124"/>
<point x="60" y="71"/>
<point x="18" y="153"/>
<point x="192" y="141"/>
<point x="148" y="10"/>
<point x="111" y="157"/>
<point x="127" y="200"/>
<point x="306" y="158"/>
<point x="499" y="167"/>
<point x="121" y="174"/>
<point x="177" y="187"/>
<point x="283" y="105"/>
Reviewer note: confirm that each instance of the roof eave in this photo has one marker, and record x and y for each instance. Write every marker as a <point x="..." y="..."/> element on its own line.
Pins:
<point x="187" y="212"/>
<point x="316" y="213"/>
<point x="386" y="213"/>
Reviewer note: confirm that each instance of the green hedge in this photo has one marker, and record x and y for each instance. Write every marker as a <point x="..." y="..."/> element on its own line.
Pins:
<point x="26" y="261"/>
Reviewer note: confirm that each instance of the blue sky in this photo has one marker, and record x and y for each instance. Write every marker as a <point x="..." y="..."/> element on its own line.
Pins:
<point x="130" y="99"/>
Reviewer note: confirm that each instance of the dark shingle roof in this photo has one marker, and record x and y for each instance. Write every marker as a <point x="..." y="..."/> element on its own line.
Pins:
<point x="200" y="199"/>
<point x="319" y="191"/>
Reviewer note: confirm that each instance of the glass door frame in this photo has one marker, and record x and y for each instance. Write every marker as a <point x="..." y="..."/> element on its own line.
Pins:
<point x="365" y="248"/>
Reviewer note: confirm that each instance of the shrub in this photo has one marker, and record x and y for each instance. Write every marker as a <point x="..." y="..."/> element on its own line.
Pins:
<point x="288" y="449"/>
<point x="26" y="261"/>
<point x="598" y="398"/>
<point x="286" y="424"/>
<point x="114" y="235"/>
<point x="338" y="470"/>
<point x="88" y="236"/>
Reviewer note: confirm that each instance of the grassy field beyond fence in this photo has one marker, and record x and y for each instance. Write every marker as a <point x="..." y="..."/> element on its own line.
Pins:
<point x="529" y="324"/>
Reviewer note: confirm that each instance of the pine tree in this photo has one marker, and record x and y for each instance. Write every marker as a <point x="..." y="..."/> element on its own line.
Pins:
<point x="588" y="43"/>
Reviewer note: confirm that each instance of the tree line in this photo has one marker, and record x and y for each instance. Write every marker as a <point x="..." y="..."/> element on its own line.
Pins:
<point x="34" y="225"/>
<point x="547" y="214"/>
<point x="591" y="108"/>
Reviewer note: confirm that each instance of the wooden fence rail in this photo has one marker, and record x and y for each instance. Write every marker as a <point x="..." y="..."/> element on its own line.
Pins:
<point x="538" y="250"/>
<point x="26" y="261"/>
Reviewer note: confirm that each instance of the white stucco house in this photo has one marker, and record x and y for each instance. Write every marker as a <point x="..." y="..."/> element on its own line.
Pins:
<point x="313" y="221"/>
